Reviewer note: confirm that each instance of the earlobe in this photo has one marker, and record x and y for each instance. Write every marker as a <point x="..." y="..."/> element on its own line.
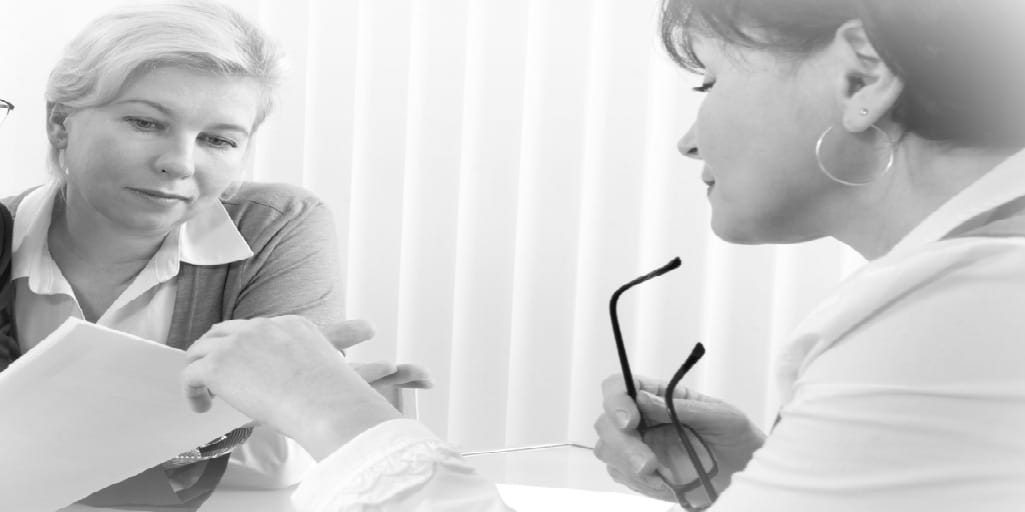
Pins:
<point x="870" y="89"/>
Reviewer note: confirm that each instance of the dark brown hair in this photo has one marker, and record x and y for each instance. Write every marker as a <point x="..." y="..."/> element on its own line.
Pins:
<point x="962" y="62"/>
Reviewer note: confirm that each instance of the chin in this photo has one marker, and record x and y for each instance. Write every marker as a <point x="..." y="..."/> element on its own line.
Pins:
<point x="732" y="233"/>
<point x="750" y="234"/>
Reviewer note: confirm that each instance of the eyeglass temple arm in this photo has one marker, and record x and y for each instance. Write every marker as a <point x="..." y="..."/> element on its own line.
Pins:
<point x="706" y="481"/>
<point x="624" y="363"/>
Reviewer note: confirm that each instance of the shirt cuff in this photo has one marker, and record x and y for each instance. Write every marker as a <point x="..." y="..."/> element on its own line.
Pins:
<point x="374" y="466"/>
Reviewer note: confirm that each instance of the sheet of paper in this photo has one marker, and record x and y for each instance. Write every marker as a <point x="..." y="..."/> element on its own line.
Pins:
<point x="89" y="407"/>
<point x="526" y="498"/>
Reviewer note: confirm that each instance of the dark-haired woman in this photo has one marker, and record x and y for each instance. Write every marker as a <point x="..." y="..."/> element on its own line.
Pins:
<point x="894" y="127"/>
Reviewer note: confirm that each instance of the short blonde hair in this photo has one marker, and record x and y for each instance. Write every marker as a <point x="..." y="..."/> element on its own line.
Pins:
<point x="132" y="40"/>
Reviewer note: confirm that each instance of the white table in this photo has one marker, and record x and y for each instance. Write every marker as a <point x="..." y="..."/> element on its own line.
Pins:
<point x="565" y="467"/>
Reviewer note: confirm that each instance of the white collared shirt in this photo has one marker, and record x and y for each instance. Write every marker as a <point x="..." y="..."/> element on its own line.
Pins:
<point x="44" y="298"/>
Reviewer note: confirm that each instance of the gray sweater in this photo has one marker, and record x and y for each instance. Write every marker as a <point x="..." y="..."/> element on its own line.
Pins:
<point x="294" y="269"/>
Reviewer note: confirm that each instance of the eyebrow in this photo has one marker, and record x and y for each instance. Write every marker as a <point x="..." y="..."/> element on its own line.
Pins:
<point x="166" y="111"/>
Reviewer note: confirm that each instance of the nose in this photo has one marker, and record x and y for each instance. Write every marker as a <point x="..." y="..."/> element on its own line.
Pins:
<point x="688" y="144"/>
<point x="177" y="160"/>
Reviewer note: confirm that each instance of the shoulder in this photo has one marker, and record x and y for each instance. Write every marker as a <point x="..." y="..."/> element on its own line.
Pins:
<point x="952" y="296"/>
<point x="960" y="305"/>
<point x="267" y="213"/>
<point x="270" y="200"/>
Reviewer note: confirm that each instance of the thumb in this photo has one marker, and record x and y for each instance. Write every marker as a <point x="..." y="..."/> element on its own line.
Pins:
<point x="348" y="333"/>
<point x="698" y="414"/>
<point x="373" y="372"/>
<point x="652" y="407"/>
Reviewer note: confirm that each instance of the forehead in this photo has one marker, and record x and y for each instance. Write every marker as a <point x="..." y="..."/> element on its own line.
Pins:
<point x="193" y="94"/>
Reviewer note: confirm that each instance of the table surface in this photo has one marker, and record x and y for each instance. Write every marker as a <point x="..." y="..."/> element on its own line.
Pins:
<point x="554" y="466"/>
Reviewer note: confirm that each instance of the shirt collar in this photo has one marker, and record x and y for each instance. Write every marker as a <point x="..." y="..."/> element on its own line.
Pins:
<point x="1003" y="184"/>
<point x="209" y="238"/>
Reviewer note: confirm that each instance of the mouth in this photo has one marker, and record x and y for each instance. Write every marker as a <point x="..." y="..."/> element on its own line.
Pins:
<point x="160" y="194"/>
<point x="707" y="178"/>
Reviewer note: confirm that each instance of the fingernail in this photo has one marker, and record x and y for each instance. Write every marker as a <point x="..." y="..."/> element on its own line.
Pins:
<point x="623" y="418"/>
<point x="638" y="464"/>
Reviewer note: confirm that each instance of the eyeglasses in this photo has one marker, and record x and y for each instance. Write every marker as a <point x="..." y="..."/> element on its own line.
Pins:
<point x="5" y="108"/>
<point x="704" y="475"/>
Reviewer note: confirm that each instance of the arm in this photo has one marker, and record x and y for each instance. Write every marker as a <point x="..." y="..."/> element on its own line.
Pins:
<point x="294" y="271"/>
<point x="281" y="371"/>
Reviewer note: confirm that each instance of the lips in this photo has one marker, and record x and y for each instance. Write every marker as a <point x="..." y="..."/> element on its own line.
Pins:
<point x="707" y="178"/>
<point x="161" y="194"/>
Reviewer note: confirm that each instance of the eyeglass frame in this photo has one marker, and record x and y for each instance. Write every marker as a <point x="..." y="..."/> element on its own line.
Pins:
<point x="6" y="108"/>
<point x="704" y="478"/>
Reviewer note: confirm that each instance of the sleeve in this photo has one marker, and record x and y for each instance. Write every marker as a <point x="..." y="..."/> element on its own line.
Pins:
<point x="295" y="267"/>
<point x="9" y="350"/>
<point x="294" y="271"/>
<point x="919" y="408"/>
<point x="398" y="465"/>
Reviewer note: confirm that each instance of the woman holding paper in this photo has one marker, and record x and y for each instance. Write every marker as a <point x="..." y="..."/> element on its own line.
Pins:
<point x="145" y="226"/>
<point x="895" y="127"/>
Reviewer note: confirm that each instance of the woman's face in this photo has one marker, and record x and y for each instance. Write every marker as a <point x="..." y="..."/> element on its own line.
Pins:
<point x="756" y="133"/>
<point x="164" y="149"/>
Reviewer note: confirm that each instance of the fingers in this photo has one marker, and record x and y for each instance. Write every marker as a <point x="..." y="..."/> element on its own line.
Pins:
<point x="373" y="372"/>
<point x="653" y="408"/>
<point x="199" y="396"/>
<point x="408" y="376"/>
<point x="623" y="449"/>
<point x="347" y="333"/>
<point x="618" y="404"/>
<point x="389" y="374"/>
<point x="696" y="413"/>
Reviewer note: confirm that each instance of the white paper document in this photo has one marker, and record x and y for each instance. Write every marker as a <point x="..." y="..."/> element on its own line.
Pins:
<point x="89" y="407"/>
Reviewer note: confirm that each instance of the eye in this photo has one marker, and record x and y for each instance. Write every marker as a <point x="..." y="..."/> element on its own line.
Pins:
<point x="143" y="123"/>
<point x="705" y="87"/>
<point x="219" y="142"/>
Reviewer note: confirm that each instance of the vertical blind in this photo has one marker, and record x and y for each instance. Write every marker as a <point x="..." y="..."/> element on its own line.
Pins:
<point x="496" y="170"/>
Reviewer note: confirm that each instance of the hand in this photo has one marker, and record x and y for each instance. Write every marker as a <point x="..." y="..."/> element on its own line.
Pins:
<point x="283" y="372"/>
<point x="385" y="377"/>
<point x="638" y="461"/>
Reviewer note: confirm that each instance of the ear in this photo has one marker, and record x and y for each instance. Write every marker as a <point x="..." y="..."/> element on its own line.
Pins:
<point x="56" y="116"/>
<point x="868" y="89"/>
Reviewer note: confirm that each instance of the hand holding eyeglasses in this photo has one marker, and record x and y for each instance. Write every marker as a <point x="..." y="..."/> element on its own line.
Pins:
<point x="637" y="460"/>
<point x="662" y="451"/>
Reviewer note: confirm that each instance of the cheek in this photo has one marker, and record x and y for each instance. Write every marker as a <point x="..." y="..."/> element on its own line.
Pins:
<point x="217" y="176"/>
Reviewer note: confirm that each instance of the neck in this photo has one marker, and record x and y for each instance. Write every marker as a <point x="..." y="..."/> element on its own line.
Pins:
<point x="78" y="231"/>
<point x="924" y="177"/>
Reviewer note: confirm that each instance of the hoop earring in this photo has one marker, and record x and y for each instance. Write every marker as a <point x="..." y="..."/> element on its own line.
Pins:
<point x="822" y="166"/>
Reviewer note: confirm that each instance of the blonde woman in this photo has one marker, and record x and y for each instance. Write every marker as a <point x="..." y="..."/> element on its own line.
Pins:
<point x="145" y="226"/>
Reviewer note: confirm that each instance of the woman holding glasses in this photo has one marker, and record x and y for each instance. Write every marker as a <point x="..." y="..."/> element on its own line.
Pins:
<point x="894" y="127"/>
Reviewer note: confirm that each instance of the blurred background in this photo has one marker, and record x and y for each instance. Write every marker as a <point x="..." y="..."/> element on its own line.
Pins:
<point x="496" y="170"/>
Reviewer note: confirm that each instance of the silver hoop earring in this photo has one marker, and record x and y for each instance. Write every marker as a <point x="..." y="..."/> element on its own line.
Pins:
<point x="822" y="166"/>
